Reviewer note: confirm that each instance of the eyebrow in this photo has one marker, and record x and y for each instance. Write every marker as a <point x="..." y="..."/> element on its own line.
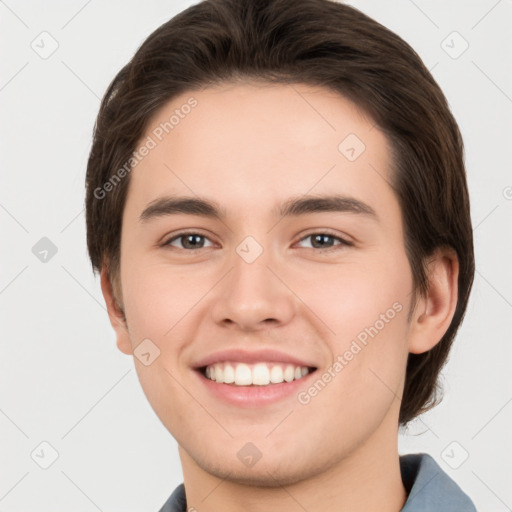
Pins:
<point x="294" y="206"/>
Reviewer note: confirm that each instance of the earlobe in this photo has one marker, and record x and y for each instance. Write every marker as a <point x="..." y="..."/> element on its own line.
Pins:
<point x="115" y="313"/>
<point x="433" y="313"/>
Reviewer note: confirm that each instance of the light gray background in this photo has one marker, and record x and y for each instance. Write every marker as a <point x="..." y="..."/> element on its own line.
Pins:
<point x="63" y="380"/>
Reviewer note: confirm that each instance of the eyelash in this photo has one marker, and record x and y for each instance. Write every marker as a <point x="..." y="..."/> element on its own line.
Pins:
<point x="342" y="241"/>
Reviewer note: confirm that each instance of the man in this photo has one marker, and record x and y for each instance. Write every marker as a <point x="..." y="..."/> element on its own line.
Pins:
<point x="277" y="206"/>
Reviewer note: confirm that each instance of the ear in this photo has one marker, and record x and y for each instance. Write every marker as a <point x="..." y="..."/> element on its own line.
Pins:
<point x="433" y="314"/>
<point x="115" y="313"/>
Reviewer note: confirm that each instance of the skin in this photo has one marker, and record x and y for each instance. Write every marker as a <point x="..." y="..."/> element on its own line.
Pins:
<point x="250" y="147"/>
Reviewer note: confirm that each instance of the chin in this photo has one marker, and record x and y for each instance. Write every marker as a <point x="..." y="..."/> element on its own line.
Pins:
<point x="272" y="473"/>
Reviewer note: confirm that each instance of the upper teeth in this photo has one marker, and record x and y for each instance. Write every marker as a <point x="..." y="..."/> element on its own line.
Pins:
<point x="259" y="374"/>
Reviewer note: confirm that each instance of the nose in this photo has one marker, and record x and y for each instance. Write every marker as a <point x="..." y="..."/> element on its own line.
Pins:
<point x="253" y="296"/>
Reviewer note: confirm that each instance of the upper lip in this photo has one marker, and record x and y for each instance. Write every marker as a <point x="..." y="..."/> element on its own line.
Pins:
<point x="253" y="356"/>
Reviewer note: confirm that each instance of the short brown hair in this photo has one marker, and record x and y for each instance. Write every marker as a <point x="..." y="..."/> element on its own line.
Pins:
<point x="318" y="43"/>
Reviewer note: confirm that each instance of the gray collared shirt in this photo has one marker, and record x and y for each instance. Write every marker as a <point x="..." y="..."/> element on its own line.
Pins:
<point x="429" y="488"/>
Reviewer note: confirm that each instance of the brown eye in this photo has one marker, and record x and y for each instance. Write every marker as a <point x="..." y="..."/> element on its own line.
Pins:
<point x="190" y="241"/>
<point x="325" y="241"/>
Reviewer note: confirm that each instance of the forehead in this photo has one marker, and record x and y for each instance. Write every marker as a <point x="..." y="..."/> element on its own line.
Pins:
<point x="249" y="144"/>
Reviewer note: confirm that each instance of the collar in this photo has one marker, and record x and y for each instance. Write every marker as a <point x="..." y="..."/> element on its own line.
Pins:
<point x="429" y="488"/>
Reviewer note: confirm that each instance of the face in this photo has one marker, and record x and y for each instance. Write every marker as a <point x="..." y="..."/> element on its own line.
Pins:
<point x="323" y="285"/>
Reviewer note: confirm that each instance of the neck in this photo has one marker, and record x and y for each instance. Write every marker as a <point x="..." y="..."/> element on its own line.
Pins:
<point x="368" y="479"/>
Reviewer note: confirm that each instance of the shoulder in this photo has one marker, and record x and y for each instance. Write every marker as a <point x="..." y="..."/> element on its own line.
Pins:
<point x="430" y="488"/>
<point x="176" y="501"/>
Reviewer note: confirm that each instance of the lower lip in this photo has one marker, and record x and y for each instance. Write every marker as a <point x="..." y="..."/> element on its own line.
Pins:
<point x="255" y="396"/>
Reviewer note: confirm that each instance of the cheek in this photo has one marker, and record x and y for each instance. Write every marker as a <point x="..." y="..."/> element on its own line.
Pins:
<point x="159" y="306"/>
<point x="156" y="297"/>
<point x="351" y="298"/>
<point x="365" y="309"/>
<point x="366" y="376"/>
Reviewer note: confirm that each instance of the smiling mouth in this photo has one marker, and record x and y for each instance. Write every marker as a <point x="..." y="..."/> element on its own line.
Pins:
<point x="258" y="374"/>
